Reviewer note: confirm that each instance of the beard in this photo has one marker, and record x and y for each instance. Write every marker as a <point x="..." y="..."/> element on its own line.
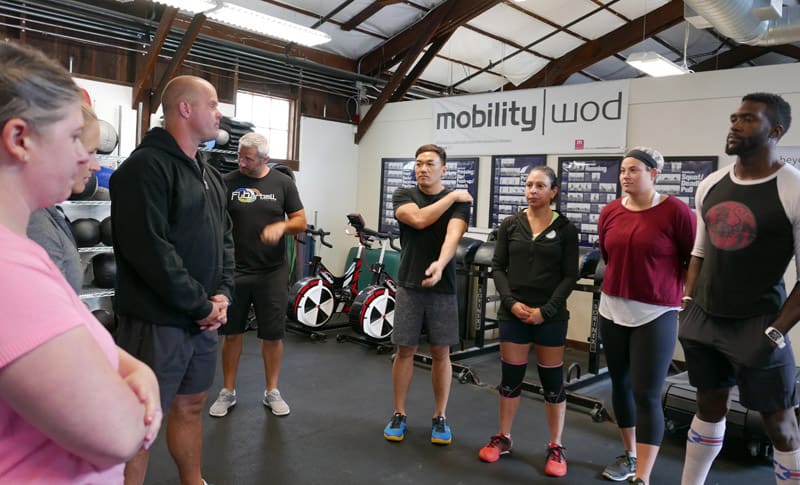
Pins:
<point x="746" y="144"/>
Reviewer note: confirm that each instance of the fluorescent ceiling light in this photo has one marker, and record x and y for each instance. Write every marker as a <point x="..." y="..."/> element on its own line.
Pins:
<point x="251" y="20"/>
<point x="653" y="64"/>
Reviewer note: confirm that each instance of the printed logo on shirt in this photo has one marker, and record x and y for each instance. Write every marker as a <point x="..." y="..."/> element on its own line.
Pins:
<point x="550" y="235"/>
<point x="731" y="226"/>
<point x="248" y="196"/>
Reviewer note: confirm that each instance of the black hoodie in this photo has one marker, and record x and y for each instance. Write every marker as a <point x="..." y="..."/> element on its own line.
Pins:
<point x="172" y="234"/>
<point x="539" y="272"/>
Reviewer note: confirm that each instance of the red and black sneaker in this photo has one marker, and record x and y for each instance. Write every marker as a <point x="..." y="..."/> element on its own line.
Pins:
<point x="556" y="465"/>
<point x="498" y="445"/>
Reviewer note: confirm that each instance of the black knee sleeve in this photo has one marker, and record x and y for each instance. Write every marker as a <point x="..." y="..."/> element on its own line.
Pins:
<point x="511" y="383"/>
<point x="552" y="383"/>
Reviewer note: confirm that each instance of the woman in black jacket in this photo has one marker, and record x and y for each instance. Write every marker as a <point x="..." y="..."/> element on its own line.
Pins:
<point x="535" y="267"/>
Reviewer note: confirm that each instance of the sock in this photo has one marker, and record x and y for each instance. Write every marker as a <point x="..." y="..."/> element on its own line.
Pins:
<point x="631" y="453"/>
<point x="787" y="466"/>
<point x="703" y="444"/>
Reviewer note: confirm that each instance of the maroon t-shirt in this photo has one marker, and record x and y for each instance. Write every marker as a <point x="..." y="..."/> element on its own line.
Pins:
<point x="647" y="252"/>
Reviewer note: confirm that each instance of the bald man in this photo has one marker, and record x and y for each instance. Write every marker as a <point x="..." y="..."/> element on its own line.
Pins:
<point x="174" y="251"/>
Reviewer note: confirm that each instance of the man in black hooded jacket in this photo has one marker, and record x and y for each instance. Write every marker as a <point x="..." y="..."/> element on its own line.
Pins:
<point x="174" y="252"/>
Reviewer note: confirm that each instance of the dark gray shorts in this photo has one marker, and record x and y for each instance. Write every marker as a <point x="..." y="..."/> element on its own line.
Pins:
<point x="723" y="352"/>
<point x="268" y="294"/>
<point x="184" y="363"/>
<point x="437" y="311"/>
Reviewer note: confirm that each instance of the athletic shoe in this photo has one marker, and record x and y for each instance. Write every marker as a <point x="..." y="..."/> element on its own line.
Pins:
<point x="274" y="401"/>
<point x="556" y="464"/>
<point x="623" y="468"/>
<point x="440" y="432"/>
<point x="396" y="429"/>
<point x="225" y="401"/>
<point x="498" y="445"/>
<point x="637" y="481"/>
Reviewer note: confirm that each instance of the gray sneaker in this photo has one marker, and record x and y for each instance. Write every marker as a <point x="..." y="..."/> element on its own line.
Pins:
<point x="225" y="401"/>
<point x="274" y="401"/>
<point x="623" y="468"/>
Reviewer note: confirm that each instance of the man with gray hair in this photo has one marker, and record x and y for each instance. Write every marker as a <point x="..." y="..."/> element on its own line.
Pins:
<point x="264" y="206"/>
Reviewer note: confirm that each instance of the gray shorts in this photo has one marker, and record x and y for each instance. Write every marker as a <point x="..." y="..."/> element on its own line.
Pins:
<point x="723" y="352"/>
<point x="415" y="308"/>
<point x="184" y="363"/>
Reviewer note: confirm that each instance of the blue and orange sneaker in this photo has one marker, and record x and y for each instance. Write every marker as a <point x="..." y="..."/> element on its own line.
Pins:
<point x="396" y="429"/>
<point x="440" y="432"/>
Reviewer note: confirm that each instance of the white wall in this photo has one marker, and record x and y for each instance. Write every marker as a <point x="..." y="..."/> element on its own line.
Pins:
<point x="327" y="183"/>
<point x="682" y="115"/>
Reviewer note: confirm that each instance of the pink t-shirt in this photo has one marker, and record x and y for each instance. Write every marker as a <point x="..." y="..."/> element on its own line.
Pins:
<point x="38" y="304"/>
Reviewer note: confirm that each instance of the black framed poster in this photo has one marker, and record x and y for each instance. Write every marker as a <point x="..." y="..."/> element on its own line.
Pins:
<point x="587" y="184"/>
<point x="508" y="184"/>
<point x="681" y="175"/>
<point x="462" y="173"/>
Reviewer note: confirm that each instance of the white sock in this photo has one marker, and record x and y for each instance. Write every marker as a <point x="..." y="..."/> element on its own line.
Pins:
<point x="703" y="444"/>
<point x="787" y="467"/>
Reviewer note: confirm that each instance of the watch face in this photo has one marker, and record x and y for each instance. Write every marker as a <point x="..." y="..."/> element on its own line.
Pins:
<point x="774" y="335"/>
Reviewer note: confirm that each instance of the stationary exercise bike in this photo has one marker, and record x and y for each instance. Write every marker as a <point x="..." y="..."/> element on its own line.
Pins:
<point x="313" y="300"/>
<point x="372" y="313"/>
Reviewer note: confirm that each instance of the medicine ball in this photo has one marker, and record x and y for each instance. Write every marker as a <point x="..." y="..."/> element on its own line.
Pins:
<point x="589" y="264"/>
<point x="282" y="169"/>
<point x="223" y="137"/>
<point x="108" y="137"/>
<point x="86" y="232"/>
<point x="104" y="267"/>
<point x="102" y="194"/>
<point x="88" y="191"/>
<point x="105" y="231"/>
<point x="106" y="318"/>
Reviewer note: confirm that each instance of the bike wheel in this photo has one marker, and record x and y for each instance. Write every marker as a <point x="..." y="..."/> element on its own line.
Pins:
<point x="375" y="312"/>
<point x="313" y="304"/>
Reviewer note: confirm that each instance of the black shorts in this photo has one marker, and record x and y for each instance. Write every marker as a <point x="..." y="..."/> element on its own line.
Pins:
<point x="184" y="363"/>
<point x="268" y="294"/>
<point x="549" y="333"/>
<point x="723" y="352"/>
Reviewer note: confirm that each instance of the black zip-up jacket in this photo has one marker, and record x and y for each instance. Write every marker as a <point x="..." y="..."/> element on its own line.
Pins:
<point x="538" y="272"/>
<point x="172" y="234"/>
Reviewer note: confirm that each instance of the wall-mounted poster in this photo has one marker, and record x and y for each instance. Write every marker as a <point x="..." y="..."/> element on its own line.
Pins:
<point x="587" y="185"/>
<point x="681" y="176"/>
<point x="790" y="155"/>
<point x="508" y="184"/>
<point x="462" y="173"/>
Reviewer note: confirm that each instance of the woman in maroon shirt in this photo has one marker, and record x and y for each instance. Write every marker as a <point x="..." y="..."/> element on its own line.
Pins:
<point x="645" y="239"/>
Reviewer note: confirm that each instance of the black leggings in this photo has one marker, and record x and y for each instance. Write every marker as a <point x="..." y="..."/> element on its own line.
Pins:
<point x="638" y="359"/>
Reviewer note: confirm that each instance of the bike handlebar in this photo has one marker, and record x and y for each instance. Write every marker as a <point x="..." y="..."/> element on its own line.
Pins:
<point x="321" y="234"/>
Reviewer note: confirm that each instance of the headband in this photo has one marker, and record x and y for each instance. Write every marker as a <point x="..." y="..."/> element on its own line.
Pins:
<point x="643" y="157"/>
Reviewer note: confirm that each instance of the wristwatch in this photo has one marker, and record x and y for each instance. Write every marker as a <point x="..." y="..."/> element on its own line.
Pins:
<point x="776" y="336"/>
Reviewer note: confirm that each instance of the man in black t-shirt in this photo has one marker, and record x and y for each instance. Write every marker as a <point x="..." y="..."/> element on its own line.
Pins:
<point x="736" y="308"/>
<point x="264" y="206"/>
<point x="432" y="220"/>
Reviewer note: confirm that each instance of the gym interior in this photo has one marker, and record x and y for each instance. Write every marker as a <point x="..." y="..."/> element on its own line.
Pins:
<point x="338" y="376"/>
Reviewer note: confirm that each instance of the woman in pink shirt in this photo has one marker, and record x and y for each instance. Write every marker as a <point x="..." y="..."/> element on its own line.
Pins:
<point x="73" y="406"/>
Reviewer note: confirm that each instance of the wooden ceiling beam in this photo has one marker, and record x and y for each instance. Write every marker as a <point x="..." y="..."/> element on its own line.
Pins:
<point x="420" y="66"/>
<point x="397" y="48"/>
<point x="366" y="13"/>
<point x="648" y="25"/>
<point x="438" y="18"/>
<point x="144" y="76"/>
<point x="177" y="59"/>
<point x="730" y="58"/>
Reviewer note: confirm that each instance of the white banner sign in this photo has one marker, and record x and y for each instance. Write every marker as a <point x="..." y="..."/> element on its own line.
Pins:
<point x="790" y="155"/>
<point x="585" y="118"/>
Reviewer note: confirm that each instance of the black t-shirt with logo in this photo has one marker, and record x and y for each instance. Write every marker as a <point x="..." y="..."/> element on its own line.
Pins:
<point x="252" y="205"/>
